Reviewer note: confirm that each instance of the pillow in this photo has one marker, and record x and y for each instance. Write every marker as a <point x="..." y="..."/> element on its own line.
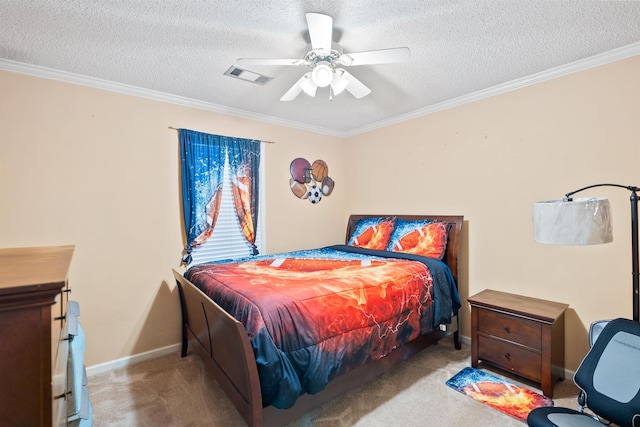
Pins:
<point x="372" y="233"/>
<point x="421" y="237"/>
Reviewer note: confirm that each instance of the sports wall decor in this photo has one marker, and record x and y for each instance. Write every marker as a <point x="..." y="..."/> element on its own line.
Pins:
<point x="310" y="181"/>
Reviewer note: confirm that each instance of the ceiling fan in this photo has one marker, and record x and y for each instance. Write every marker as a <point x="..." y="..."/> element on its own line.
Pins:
<point x="326" y="62"/>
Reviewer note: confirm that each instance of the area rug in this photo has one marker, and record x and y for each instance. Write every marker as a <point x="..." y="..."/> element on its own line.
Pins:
<point x="498" y="393"/>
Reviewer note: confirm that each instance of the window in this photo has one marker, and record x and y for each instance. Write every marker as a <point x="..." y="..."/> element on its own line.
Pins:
<point x="227" y="241"/>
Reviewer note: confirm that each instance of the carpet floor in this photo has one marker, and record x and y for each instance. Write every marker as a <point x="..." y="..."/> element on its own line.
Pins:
<point x="173" y="391"/>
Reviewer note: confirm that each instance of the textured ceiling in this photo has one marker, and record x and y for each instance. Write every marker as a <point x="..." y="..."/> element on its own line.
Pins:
<point x="183" y="48"/>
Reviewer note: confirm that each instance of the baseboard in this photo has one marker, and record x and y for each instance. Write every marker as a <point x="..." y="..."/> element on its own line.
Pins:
<point x="159" y="352"/>
<point x="465" y="340"/>
<point x="131" y="360"/>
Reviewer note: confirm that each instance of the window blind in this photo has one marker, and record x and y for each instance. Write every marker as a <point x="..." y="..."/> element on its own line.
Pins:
<point x="227" y="240"/>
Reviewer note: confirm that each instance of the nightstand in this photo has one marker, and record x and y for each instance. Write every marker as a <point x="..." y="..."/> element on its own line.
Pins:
<point x="519" y="334"/>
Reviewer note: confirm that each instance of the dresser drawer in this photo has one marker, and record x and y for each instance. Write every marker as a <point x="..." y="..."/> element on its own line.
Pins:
<point x="510" y="357"/>
<point x="516" y="329"/>
<point x="59" y="380"/>
<point x="59" y="355"/>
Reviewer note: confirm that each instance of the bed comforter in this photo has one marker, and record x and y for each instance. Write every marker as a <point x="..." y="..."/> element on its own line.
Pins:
<point x="313" y="315"/>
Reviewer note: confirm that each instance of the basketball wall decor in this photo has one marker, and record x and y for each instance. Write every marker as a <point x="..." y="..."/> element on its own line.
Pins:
<point x="320" y="170"/>
<point x="310" y="181"/>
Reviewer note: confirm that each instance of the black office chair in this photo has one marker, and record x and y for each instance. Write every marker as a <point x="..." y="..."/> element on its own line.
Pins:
<point x="609" y="377"/>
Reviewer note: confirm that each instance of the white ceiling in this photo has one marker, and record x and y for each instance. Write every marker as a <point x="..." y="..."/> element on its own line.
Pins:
<point x="183" y="47"/>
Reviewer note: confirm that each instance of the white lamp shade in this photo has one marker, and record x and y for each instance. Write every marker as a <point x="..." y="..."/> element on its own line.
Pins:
<point x="578" y="222"/>
<point x="308" y="85"/>
<point x="338" y="84"/>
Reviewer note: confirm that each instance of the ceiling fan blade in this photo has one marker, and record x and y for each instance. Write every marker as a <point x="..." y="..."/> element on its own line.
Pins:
<point x="382" y="56"/>
<point x="294" y="91"/>
<point x="320" y="31"/>
<point x="267" y="61"/>
<point x="355" y="86"/>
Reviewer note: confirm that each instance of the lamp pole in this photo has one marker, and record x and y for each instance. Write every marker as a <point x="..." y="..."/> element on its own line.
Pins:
<point x="634" y="237"/>
<point x="634" y="249"/>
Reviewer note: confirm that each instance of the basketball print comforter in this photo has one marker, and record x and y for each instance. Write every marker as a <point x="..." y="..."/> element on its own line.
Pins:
<point x="313" y="315"/>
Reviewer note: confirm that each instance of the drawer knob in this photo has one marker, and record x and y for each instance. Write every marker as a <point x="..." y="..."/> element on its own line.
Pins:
<point x="507" y="356"/>
<point x="507" y="330"/>
<point x="62" y="395"/>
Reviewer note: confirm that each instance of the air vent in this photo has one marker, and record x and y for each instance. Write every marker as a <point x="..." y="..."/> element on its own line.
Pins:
<point x="247" y="75"/>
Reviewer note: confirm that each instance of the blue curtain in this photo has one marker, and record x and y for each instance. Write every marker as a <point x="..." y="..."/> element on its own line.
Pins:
<point x="202" y="162"/>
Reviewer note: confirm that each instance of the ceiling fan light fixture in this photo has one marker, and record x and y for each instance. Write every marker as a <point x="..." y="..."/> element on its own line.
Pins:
<point x="322" y="75"/>
<point x="325" y="57"/>
<point x="308" y="85"/>
<point x="338" y="84"/>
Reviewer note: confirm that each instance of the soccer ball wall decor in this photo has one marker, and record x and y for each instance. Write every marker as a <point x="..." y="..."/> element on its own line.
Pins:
<point x="314" y="194"/>
<point x="310" y="181"/>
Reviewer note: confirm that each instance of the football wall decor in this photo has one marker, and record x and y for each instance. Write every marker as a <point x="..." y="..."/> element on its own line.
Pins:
<point x="310" y="181"/>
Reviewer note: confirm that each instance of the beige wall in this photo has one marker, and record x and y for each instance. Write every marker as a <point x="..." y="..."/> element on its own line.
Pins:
<point x="100" y="170"/>
<point x="492" y="159"/>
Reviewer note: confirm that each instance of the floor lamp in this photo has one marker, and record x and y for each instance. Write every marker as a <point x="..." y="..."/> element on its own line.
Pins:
<point x="585" y="221"/>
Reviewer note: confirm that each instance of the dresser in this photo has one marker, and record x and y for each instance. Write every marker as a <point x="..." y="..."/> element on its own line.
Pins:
<point x="519" y="334"/>
<point x="34" y="345"/>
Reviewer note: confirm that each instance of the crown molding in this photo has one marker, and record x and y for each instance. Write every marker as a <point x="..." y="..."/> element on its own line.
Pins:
<point x="563" y="70"/>
<point x="93" y="82"/>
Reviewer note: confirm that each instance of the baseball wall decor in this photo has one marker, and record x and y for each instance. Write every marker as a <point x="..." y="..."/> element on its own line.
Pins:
<point x="310" y="181"/>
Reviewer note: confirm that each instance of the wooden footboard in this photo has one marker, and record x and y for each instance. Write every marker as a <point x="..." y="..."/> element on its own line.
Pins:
<point x="223" y="344"/>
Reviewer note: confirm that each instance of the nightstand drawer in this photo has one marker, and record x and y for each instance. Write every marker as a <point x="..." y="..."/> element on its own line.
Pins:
<point x="510" y="357"/>
<point x="509" y="327"/>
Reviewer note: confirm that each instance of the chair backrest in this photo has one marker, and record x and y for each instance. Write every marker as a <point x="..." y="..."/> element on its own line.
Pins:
<point x="595" y="329"/>
<point x="610" y="373"/>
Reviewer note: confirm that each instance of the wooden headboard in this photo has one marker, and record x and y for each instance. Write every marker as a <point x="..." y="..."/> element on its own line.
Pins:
<point x="452" y="253"/>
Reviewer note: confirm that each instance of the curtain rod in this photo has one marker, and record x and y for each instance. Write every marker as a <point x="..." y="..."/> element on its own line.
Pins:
<point x="266" y="142"/>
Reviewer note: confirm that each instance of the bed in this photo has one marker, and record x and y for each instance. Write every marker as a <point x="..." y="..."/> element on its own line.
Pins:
<point x="238" y="348"/>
